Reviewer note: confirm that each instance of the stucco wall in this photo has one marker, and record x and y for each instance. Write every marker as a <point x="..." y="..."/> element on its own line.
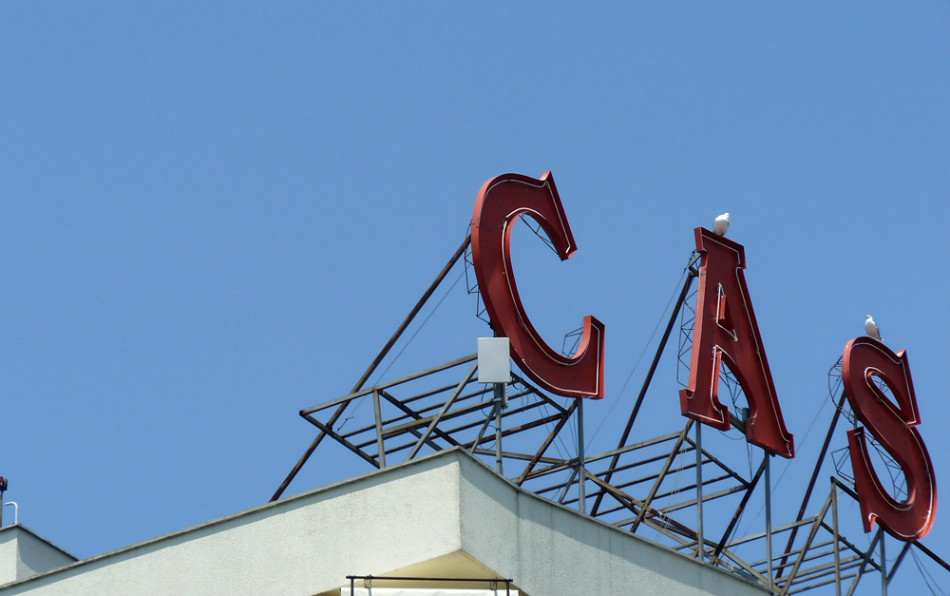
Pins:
<point x="8" y="557"/>
<point x="23" y="554"/>
<point x="300" y="546"/>
<point x="391" y="520"/>
<point x="554" y="551"/>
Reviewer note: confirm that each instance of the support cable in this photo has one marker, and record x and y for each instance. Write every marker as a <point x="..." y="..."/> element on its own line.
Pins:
<point x="693" y="273"/>
<point x="927" y="577"/>
<point x="636" y="363"/>
<point x="372" y="367"/>
<point x="421" y="325"/>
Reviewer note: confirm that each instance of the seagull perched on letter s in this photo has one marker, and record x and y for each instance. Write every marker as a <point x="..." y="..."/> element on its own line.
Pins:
<point x="721" y="224"/>
<point x="871" y="328"/>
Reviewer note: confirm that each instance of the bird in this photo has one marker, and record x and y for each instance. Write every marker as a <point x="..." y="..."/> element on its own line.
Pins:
<point x="871" y="328"/>
<point x="721" y="224"/>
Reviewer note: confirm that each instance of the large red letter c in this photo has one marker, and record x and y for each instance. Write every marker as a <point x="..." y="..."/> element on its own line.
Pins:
<point x="500" y="202"/>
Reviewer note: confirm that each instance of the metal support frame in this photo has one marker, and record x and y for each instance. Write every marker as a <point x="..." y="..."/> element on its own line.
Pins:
<point x="692" y="274"/>
<point x="444" y="407"/>
<point x="816" y="471"/>
<point x="581" y="472"/>
<point x="768" y="521"/>
<point x="450" y="415"/>
<point x="659" y="480"/>
<point x="379" y="358"/>
<point x="499" y="389"/>
<point x="700" y="548"/>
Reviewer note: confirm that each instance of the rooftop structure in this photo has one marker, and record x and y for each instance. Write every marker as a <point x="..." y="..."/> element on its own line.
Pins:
<point x="479" y="480"/>
<point x="445" y="515"/>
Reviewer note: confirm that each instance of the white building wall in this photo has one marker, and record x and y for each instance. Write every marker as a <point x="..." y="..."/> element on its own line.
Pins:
<point x="299" y="546"/>
<point x="554" y="551"/>
<point x="8" y="558"/>
<point x="23" y="554"/>
<point x="448" y="506"/>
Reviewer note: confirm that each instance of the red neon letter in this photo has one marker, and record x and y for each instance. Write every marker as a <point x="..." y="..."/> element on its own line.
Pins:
<point x="500" y="202"/>
<point x="725" y="331"/>
<point x="893" y="426"/>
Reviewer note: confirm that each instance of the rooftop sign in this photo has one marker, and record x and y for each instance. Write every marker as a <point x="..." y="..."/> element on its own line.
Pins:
<point x="725" y="332"/>
<point x="500" y="202"/>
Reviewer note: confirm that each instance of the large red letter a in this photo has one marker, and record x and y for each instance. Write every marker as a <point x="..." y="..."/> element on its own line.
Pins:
<point x="725" y="331"/>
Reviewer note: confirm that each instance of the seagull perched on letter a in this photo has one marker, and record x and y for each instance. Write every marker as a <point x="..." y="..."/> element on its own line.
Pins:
<point x="871" y="328"/>
<point x="721" y="224"/>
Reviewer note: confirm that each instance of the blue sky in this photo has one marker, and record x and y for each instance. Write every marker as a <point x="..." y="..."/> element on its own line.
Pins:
<point x="215" y="214"/>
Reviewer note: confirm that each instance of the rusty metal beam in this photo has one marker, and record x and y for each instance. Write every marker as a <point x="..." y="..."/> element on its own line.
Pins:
<point x="738" y="513"/>
<point x="409" y="412"/>
<point x="547" y="443"/>
<point x="306" y="455"/>
<point x="814" y="474"/>
<point x="361" y="392"/>
<point x="325" y="429"/>
<point x="382" y="354"/>
<point x="693" y="273"/>
<point x="811" y="536"/>
<point x="448" y="403"/>
<point x="412" y="314"/>
<point x="638" y="507"/>
<point x="659" y="480"/>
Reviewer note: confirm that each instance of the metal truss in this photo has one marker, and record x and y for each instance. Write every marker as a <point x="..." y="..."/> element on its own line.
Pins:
<point x="823" y="555"/>
<point x="454" y="410"/>
<point x="667" y="488"/>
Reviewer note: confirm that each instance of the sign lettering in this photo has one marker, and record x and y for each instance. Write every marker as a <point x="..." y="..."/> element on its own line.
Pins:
<point x="893" y="426"/>
<point x="725" y="331"/>
<point x="500" y="202"/>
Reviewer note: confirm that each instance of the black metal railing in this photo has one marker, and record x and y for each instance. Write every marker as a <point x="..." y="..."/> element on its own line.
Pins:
<point x="493" y="583"/>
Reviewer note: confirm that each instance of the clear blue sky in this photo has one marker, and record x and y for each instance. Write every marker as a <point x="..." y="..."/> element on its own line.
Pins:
<point x="214" y="215"/>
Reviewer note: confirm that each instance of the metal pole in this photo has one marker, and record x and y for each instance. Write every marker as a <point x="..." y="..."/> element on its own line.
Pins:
<point x="412" y="314"/>
<point x="659" y="479"/>
<point x="380" y="444"/>
<point x="883" y="567"/>
<point x="16" y="511"/>
<point x="735" y="516"/>
<point x="499" y="396"/>
<point x="700" y="547"/>
<point x="867" y="556"/>
<point x="768" y="520"/>
<point x="382" y="354"/>
<point x="834" y="522"/>
<point x="811" y="483"/>
<point x="581" y="476"/>
<point x="692" y="274"/>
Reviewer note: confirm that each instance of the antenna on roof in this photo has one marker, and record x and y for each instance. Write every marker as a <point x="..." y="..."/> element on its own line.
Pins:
<point x="3" y="487"/>
<point x="16" y="511"/>
<point x="494" y="366"/>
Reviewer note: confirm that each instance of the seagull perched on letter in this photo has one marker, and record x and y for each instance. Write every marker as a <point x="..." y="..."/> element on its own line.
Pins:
<point x="871" y="328"/>
<point x="721" y="224"/>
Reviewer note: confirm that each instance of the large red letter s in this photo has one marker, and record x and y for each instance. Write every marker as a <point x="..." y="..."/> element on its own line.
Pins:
<point x="725" y="331"/>
<point x="893" y="425"/>
<point x="500" y="202"/>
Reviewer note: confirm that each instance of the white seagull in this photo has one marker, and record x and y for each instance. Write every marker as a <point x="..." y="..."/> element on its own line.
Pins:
<point x="871" y="328"/>
<point x="721" y="224"/>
